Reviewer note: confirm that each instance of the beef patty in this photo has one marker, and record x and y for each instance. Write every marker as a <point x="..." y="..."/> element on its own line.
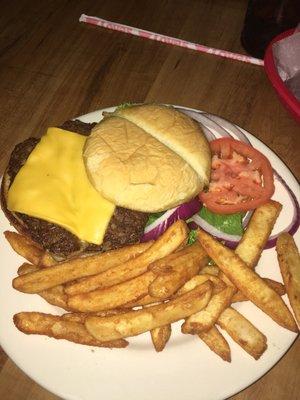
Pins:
<point x="125" y="227"/>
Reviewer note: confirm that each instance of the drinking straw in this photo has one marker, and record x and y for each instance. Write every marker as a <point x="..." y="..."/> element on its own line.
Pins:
<point x="167" y="39"/>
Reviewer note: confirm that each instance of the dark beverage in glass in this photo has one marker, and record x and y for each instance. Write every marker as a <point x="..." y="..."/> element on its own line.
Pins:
<point x="264" y="20"/>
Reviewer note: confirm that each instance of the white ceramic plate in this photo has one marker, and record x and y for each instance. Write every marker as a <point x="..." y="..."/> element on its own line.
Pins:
<point x="186" y="369"/>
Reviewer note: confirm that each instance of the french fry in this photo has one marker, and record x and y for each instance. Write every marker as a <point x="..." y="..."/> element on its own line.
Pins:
<point x="25" y="247"/>
<point x="238" y="327"/>
<point x="75" y="317"/>
<point x="113" y="296"/>
<point x="56" y="297"/>
<point x="248" y="281"/>
<point x="143" y="301"/>
<point x="88" y="284"/>
<point x="210" y="269"/>
<point x="277" y="286"/>
<point x="76" y="268"/>
<point x="213" y="338"/>
<point x="243" y="332"/>
<point x="217" y="343"/>
<point x="206" y="318"/>
<point x="170" y="281"/>
<point x="160" y="336"/>
<point x="138" y="321"/>
<point x="177" y="272"/>
<point x="257" y="233"/>
<point x="289" y="262"/>
<point x="25" y="268"/>
<point x="81" y="317"/>
<point x="59" y="328"/>
<point x="164" y="245"/>
<point x="165" y="285"/>
<point x="47" y="260"/>
<point x="197" y="280"/>
<point x="238" y="296"/>
<point x="161" y="266"/>
<point x="225" y="279"/>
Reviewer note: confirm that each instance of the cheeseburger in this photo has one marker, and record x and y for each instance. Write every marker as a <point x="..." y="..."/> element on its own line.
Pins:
<point x="91" y="187"/>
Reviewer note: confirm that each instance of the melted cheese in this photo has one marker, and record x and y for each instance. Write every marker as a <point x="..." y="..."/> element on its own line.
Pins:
<point x="53" y="185"/>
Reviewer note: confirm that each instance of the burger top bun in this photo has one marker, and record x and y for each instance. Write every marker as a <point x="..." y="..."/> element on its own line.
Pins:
<point x="176" y="130"/>
<point x="148" y="158"/>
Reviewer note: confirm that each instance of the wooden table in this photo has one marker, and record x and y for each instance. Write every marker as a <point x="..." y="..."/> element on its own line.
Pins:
<point x="53" y="68"/>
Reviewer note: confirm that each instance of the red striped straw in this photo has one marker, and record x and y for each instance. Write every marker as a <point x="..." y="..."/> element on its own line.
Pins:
<point x="167" y="39"/>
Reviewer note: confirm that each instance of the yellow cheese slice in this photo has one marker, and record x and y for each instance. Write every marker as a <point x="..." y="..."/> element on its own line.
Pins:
<point x="53" y="185"/>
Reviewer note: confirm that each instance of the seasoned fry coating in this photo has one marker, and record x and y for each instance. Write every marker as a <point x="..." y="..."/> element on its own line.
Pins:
<point x="147" y="287"/>
<point x="248" y="281"/>
<point x="212" y="337"/>
<point x="25" y="247"/>
<point x="257" y="233"/>
<point x="143" y="301"/>
<point x="138" y="321"/>
<point x="197" y="280"/>
<point x="113" y="296"/>
<point x="75" y="268"/>
<point x="59" y="328"/>
<point x="277" y="286"/>
<point x="210" y="269"/>
<point x="160" y="336"/>
<point x="55" y="296"/>
<point x="170" y="241"/>
<point x="289" y="262"/>
<point x="206" y="318"/>
<point x="237" y="326"/>
<point x="243" y="332"/>
<point x="81" y="317"/>
<point x="177" y="271"/>
<point x="25" y="268"/>
<point x="217" y="343"/>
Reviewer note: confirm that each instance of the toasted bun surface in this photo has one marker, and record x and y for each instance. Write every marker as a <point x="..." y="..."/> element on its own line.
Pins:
<point x="142" y="162"/>
<point x="176" y="130"/>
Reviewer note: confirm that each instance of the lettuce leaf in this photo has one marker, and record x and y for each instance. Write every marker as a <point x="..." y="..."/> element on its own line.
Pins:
<point x="192" y="237"/>
<point x="230" y="223"/>
<point x="124" y="105"/>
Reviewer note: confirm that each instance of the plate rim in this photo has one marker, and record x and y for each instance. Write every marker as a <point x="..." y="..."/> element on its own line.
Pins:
<point x="90" y="115"/>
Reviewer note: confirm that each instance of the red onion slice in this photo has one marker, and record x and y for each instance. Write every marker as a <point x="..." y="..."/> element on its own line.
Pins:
<point x="217" y="130"/>
<point x="184" y="211"/>
<point x="208" y="134"/>
<point x="234" y="131"/>
<point x="246" y="218"/>
<point x="216" y="127"/>
<point x="295" y="223"/>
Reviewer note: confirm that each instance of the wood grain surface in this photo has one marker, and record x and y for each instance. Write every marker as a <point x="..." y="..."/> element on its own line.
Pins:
<point x="53" y="68"/>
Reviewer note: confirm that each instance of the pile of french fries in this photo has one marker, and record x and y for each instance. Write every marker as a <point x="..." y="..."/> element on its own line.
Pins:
<point x="147" y="287"/>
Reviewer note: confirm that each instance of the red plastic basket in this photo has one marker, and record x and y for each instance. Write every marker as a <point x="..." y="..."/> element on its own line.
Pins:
<point x="285" y="95"/>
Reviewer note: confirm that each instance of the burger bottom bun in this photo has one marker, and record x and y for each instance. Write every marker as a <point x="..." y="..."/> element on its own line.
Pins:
<point x="134" y="170"/>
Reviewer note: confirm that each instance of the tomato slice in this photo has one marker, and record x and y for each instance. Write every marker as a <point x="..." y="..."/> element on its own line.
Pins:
<point x="241" y="178"/>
